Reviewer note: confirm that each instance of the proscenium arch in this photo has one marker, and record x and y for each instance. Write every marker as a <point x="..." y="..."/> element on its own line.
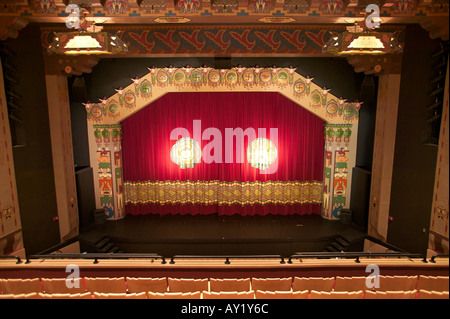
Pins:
<point x="104" y="124"/>
<point x="159" y="81"/>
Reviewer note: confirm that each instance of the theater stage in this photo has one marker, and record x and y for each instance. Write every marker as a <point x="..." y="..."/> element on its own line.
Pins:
<point x="171" y="235"/>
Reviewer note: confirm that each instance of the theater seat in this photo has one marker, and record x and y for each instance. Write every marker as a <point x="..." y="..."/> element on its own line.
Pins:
<point x="105" y="285"/>
<point x="433" y="283"/>
<point x="174" y="295"/>
<point x="350" y="283"/>
<point x="218" y="285"/>
<point x="397" y="283"/>
<point x="313" y="283"/>
<point x="390" y="294"/>
<point x="58" y="286"/>
<point x="146" y="284"/>
<point x="336" y="294"/>
<point x="20" y="286"/>
<point x="187" y="285"/>
<point x="425" y="294"/>
<point x="229" y="295"/>
<point x="86" y="295"/>
<point x="272" y="284"/>
<point x="32" y="295"/>
<point x="281" y="294"/>
<point x="99" y="295"/>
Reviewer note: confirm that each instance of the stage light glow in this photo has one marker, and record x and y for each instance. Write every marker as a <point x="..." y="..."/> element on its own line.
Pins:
<point x="186" y="153"/>
<point x="261" y="153"/>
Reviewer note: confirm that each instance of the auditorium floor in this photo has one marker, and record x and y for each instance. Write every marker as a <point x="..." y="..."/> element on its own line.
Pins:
<point x="212" y="234"/>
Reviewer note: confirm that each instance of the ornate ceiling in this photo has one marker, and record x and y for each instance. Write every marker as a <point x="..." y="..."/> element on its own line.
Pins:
<point x="225" y="27"/>
<point x="226" y="11"/>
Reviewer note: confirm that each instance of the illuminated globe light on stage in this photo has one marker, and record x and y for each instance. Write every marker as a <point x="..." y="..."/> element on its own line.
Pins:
<point x="261" y="153"/>
<point x="186" y="153"/>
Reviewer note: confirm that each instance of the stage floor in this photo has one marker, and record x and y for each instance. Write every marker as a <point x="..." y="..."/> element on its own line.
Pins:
<point x="216" y="235"/>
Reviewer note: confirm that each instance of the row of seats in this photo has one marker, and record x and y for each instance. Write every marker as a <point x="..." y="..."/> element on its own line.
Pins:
<point x="162" y="285"/>
<point x="422" y="294"/>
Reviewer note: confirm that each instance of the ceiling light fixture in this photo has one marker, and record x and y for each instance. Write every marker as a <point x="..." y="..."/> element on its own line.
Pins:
<point x="74" y="43"/>
<point x="373" y="43"/>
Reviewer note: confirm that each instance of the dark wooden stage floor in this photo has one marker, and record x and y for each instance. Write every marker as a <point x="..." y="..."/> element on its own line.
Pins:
<point x="218" y="235"/>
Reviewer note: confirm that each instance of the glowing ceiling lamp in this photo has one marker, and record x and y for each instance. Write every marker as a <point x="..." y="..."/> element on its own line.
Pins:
<point x="74" y="43"/>
<point x="186" y="153"/>
<point x="349" y="43"/>
<point x="261" y="153"/>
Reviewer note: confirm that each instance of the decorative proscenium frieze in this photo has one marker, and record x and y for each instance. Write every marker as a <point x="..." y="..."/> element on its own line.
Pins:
<point x="143" y="91"/>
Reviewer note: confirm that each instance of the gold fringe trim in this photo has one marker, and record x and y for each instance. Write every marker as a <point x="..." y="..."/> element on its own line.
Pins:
<point x="222" y="193"/>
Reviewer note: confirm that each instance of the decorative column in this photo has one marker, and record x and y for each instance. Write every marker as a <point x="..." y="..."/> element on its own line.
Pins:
<point x="339" y="159"/>
<point x="107" y="163"/>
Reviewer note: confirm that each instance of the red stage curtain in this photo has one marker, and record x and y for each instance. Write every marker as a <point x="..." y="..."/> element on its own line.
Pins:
<point x="146" y="147"/>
